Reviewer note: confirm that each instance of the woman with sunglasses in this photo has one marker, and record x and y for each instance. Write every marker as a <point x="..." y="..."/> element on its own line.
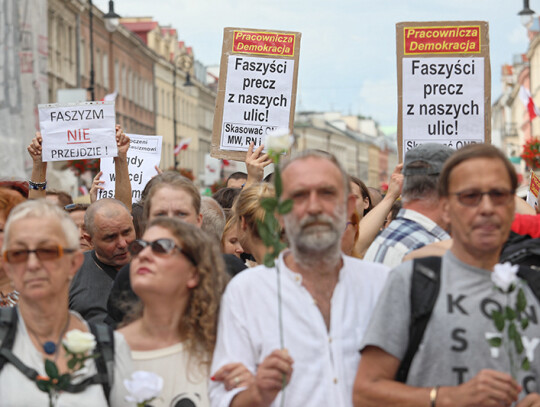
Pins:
<point x="41" y="255"/>
<point x="178" y="273"/>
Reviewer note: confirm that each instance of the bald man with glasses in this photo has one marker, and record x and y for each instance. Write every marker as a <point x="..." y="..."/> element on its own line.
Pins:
<point x="454" y="364"/>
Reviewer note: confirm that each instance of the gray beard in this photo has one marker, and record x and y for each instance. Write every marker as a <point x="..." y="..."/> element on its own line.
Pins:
<point x="316" y="240"/>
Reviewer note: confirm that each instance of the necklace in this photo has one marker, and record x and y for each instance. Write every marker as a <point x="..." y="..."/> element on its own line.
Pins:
<point x="50" y="347"/>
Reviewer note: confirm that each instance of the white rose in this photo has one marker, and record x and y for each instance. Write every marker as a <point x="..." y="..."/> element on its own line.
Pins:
<point x="77" y="341"/>
<point x="143" y="386"/>
<point x="279" y="140"/>
<point x="504" y="275"/>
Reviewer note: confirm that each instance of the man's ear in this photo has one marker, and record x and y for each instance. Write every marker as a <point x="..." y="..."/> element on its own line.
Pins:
<point x="87" y="237"/>
<point x="76" y="262"/>
<point x="199" y="220"/>
<point x="444" y="205"/>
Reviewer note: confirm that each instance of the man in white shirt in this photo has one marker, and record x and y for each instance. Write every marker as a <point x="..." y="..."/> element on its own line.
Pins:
<point x="317" y="300"/>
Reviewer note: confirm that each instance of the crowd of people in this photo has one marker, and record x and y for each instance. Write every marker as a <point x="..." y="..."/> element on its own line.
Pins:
<point x="176" y="285"/>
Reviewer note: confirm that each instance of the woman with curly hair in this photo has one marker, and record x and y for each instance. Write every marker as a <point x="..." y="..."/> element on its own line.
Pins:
<point x="247" y="210"/>
<point x="178" y="274"/>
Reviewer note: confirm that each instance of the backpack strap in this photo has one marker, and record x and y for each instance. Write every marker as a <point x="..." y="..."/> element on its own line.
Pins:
<point x="105" y="361"/>
<point x="532" y="277"/>
<point x="425" y="284"/>
<point x="8" y="329"/>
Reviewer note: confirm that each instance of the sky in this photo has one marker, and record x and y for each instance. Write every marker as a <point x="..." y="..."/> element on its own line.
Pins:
<point x="348" y="47"/>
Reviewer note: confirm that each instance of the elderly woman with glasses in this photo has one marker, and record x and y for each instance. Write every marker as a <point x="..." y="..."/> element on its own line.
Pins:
<point x="178" y="273"/>
<point x="41" y="255"/>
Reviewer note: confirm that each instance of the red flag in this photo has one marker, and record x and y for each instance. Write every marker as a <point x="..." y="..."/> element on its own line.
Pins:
<point x="226" y="163"/>
<point x="528" y="101"/>
<point x="183" y="145"/>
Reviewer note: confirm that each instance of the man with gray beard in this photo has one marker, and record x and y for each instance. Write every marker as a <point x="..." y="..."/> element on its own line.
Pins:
<point x="316" y="299"/>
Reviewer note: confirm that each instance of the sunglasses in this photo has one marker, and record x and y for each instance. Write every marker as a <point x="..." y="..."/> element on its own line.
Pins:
<point x="473" y="197"/>
<point x="15" y="256"/>
<point x="159" y="246"/>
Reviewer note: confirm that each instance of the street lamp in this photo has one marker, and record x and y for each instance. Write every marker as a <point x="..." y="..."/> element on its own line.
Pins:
<point x="185" y="62"/>
<point x="111" y="23"/>
<point x="526" y="15"/>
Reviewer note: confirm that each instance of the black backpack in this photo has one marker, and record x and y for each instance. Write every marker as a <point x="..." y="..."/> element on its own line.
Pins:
<point x="522" y="250"/>
<point x="104" y="346"/>
<point x="425" y="284"/>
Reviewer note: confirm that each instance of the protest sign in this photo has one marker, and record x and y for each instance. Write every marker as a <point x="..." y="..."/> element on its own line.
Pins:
<point x="256" y="90"/>
<point x="444" y="93"/>
<point x="143" y="155"/>
<point x="77" y="131"/>
<point x="534" y="189"/>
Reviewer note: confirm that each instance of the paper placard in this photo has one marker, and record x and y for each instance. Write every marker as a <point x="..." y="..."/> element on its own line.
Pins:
<point x="143" y="155"/>
<point x="256" y="90"/>
<point x="77" y="131"/>
<point x="444" y="81"/>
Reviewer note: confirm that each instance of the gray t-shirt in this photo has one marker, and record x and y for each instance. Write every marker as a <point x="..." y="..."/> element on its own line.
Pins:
<point x="454" y="347"/>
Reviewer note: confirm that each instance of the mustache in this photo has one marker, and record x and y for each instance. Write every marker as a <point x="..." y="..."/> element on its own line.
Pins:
<point x="314" y="219"/>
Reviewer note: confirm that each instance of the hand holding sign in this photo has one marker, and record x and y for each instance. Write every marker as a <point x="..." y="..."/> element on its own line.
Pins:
<point x="96" y="185"/>
<point x="122" y="141"/>
<point x="256" y="161"/>
<point x="35" y="149"/>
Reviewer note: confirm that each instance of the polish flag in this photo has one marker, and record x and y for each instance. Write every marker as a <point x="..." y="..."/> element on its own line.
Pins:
<point x="183" y="145"/>
<point x="528" y="101"/>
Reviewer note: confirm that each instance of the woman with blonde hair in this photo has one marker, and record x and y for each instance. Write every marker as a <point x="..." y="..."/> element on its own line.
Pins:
<point x="178" y="273"/>
<point x="247" y="210"/>
<point x="230" y="244"/>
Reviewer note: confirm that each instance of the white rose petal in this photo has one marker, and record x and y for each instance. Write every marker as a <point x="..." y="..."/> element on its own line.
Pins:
<point x="279" y="140"/>
<point x="504" y="275"/>
<point x="143" y="386"/>
<point x="77" y="341"/>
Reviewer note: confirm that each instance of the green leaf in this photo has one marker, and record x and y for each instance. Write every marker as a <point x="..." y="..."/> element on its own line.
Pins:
<point x="63" y="381"/>
<point x="285" y="207"/>
<point x="71" y="363"/>
<point x="512" y="331"/>
<point x="44" y="385"/>
<point x="51" y="369"/>
<point x="269" y="260"/>
<point x="269" y="204"/>
<point x="498" y="319"/>
<point x="510" y="313"/>
<point x="524" y="323"/>
<point x="521" y="301"/>
<point x="495" y="342"/>
<point x="264" y="233"/>
<point x="526" y="365"/>
<point x="518" y="343"/>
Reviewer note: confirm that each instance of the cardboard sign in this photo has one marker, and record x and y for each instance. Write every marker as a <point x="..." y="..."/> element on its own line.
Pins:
<point x="77" y="131"/>
<point x="533" y="192"/>
<point x="143" y="155"/>
<point x="444" y="79"/>
<point x="256" y="90"/>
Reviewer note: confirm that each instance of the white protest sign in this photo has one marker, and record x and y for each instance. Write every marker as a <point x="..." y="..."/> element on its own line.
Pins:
<point x="143" y="155"/>
<point x="257" y="100"/>
<point x="77" y="131"/>
<point x="443" y="83"/>
<point x="256" y="89"/>
<point x="443" y="100"/>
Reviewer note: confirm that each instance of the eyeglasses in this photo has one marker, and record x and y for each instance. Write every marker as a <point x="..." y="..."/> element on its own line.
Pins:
<point x="159" y="246"/>
<point x="473" y="197"/>
<point x="15" y="256"/>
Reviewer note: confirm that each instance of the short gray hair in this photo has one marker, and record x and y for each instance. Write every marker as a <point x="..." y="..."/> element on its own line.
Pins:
<point x="41" y="208"/>
<point x="213" y="221"/>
